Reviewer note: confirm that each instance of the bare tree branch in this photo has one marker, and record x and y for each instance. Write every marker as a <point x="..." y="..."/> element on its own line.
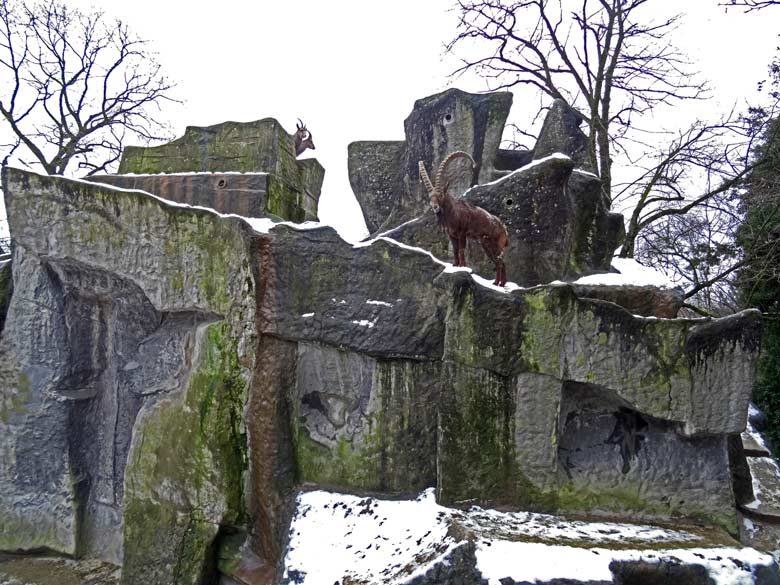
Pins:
<point x="603" y="57"/>
<point x="750" y="5"/>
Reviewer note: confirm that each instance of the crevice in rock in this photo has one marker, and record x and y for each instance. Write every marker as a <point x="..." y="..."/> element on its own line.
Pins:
<point x="628" y="434"/>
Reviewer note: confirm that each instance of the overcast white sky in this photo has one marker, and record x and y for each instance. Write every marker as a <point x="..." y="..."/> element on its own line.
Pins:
<point x="352" y="69"/>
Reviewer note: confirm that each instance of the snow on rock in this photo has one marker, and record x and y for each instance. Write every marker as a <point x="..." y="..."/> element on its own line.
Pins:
<point x="753" y="441"/>
<point x="337" y="538"/>
<point x="630" y="273"/>
<point x="379" y="303"/>
<point x="530" y="165"/>
<point x="259" y="224"/>
<point x="263" y="225"/>
<point x="765" y="476"/>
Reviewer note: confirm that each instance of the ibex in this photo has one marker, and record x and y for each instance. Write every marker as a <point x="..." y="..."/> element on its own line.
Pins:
<point x="462" y="220"/>
<point x="303" y="138"/>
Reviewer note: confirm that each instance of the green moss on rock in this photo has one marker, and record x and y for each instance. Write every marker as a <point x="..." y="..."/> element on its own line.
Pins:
<point x="476" y="458"/>
<point x="185" y="472"/>
<point x="14" y="399"/>
<point x="351" y="464"/>
<point x="549" y="313"/>
<point x="627" y="500"/>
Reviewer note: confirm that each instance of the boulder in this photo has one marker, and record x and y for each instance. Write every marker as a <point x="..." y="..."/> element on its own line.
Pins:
<point x="376" y="175"/>
<point x="559" y="220"/>
<point x="550" y="221"/>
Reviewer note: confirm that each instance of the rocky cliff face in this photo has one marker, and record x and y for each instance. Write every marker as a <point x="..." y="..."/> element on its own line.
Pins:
<point x="123" y="393"/>
<point x="169" y="376"/>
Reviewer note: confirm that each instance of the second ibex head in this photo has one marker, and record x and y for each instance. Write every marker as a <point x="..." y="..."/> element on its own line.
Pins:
<point x="303" y="139"/>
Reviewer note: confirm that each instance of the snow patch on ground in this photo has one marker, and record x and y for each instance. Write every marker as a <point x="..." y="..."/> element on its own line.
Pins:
<point x="335" y="537"/>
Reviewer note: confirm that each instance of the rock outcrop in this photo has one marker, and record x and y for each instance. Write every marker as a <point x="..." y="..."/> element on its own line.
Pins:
<point x="557" y="215"/>
<point x="123" y="391"/>
<point x="250" y="170"/>
<point x="384" y="175"/>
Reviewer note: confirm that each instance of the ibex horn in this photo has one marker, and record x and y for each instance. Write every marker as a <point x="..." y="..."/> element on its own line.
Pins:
<point x="425" y="178"/>
<point x="448" y="160"/>
<point x="300" y="124"/>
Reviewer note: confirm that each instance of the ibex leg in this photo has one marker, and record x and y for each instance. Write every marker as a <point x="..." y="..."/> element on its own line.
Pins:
<point x="462" y="252"/>
<point x="490" y="248"/>
<point x="455" y="250"/>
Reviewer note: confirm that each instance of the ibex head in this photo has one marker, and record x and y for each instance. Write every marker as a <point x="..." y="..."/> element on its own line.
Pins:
<point x="303" y="139"/>
<point x="436" y="190"/>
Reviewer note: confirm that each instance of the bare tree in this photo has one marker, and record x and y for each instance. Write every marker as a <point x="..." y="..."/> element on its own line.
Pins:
<point x="751" y="5"/>
<point x="74" y="87"/>
<point x="605" y="57"/>
<point x="713" y="182"/>
<point x="697" y="249"/>
<point x="692" y="171"/>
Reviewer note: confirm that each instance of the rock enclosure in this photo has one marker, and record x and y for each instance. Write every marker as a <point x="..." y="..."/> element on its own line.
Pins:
<point x="169" y="375"/>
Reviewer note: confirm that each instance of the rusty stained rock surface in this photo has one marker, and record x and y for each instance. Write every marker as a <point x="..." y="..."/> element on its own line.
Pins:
<point x="169" y="377"/>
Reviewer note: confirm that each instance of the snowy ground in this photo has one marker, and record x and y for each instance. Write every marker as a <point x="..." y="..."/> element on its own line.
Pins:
<point x="337" y="538"/>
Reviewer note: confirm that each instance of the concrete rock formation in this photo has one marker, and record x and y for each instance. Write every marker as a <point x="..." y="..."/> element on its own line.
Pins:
<point x="168" y="376"/>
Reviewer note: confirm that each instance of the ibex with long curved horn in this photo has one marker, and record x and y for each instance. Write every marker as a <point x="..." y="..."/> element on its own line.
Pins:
<point x="303" y="139"/>
<point x="463" y="221"/>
